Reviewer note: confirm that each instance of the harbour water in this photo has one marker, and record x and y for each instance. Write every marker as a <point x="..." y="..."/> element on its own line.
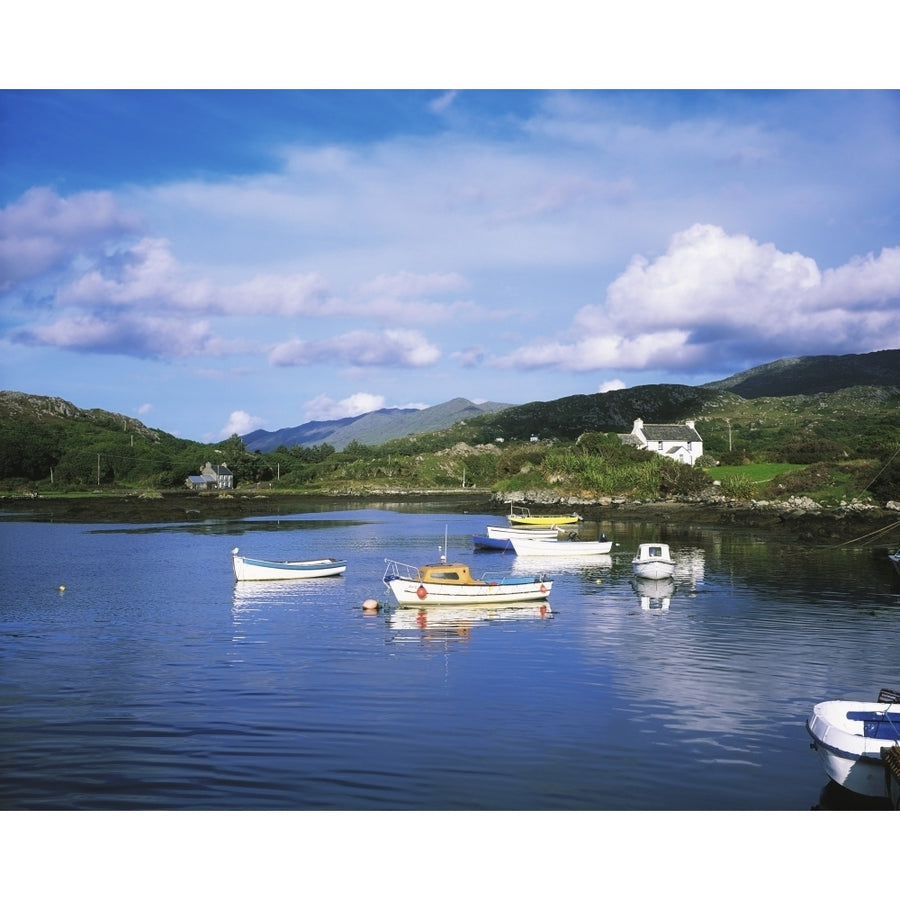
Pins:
<point x="136" y="675"/>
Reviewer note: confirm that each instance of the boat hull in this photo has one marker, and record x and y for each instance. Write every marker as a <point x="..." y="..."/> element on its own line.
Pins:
<point x="561" y="548"/>
<point x="543" y="521"/>
<point x="247" y="569"/>
<point x="491" y="543"/>
<point x="655" y="570"/>
<point x="410" y="592"/>
<point x="848" y="737"/>
<point x="532" y="534"/>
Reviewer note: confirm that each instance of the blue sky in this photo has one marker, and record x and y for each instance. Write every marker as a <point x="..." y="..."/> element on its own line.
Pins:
<point x="215" y="261"/>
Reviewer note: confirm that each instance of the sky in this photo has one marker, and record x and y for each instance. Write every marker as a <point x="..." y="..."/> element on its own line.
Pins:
<point x="215" y="259"/>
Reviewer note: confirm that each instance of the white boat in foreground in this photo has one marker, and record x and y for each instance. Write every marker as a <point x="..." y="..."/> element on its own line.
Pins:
<point x="560" y="548"/>
<point x="849" y="736"/>
<point x="248" y="569"/>
<point x="653" y="561"/>
<point x="441" y="583"/>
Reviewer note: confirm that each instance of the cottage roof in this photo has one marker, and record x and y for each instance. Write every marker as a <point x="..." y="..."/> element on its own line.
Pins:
<point x="670" y="433"/>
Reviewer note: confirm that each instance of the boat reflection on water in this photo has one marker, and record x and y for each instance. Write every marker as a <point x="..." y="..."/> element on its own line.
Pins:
<point x="654" y="593"/>
<point x="248" y="593"/>
<point x="457" y="622"/>
<point x="536" y="565"/>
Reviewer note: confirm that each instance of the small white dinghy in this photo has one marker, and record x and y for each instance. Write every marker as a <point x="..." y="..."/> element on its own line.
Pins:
<point x="247" y="569"/>
<point x="849" y="736"/>
<point x="533" y="534"/>
<point x="653" y="561"/>
<point x="560" y="548"/>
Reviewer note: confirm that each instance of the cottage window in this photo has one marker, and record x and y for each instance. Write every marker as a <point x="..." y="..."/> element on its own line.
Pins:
<point x="660" y="446"/>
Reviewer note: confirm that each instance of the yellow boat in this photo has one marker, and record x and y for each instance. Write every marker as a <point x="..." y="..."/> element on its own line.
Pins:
<point x="521" y="515"/>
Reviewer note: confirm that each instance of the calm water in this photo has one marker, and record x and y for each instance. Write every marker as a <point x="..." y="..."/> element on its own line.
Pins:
<point x="154" y="682"/>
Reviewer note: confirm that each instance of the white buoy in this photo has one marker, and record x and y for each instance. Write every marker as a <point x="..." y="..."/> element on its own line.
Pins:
<point x="370" y="604"/>
<point x="62" y="587"/>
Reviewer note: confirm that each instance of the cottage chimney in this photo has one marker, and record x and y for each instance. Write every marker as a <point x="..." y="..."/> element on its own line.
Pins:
<point x="690" y="423"/>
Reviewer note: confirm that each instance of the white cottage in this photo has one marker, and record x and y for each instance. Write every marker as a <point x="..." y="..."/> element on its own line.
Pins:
<point x="678" y="442"/>
<point x="218" y="476"/>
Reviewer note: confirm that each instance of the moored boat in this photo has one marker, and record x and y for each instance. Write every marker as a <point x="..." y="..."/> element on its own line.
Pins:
<point x="498" y="538"/>
<point x="561" y="548"/>
<point x="531" y="534"/>
<point x="850" y="735"/>
<point x="521" y="515"/>
<point x="249" y="569"/>
<point x="653" y="561"/>
<point x="485" y="542"/>
<point x="895" y="559"/>
<point x="435" y="584"/>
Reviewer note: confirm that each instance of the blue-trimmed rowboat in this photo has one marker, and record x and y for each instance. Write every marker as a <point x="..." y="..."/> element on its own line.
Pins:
<point x="484" y="542"/>
<point x="850" y="735"/>
<point x="247" y="569"/>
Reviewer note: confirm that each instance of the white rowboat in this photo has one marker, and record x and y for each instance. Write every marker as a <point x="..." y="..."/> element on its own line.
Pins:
<point x="561" y="548"/>
<point x="531" y="534"/>
<point x="248" y="569"/>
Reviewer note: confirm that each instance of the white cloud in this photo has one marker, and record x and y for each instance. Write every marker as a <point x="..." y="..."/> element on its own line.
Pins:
<point x="43" y="231"/>
<point x="714" y="299"/>
<point x="240" y="422"/>
<point x="442" y="103"/>
<point x="324" y="409"/>
<point x="391" y="348"/>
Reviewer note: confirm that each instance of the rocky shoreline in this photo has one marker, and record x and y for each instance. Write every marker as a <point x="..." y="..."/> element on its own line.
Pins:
<point x="798" y="520"/>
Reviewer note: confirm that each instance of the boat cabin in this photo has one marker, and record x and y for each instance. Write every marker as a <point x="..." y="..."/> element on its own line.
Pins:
<point x="442" y="573"/>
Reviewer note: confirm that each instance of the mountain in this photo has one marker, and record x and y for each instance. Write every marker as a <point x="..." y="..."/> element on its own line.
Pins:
<point x="371" y="428"/>
<point x="814" y="375"/>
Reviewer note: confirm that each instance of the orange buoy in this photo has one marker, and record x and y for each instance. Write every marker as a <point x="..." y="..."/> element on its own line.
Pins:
<point x="421" y="593"/>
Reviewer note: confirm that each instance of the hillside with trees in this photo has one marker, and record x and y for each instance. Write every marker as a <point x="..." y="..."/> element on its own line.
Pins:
<point x="832" y="446"/>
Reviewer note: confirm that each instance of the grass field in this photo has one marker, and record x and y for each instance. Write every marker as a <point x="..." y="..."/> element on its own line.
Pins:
<point x="755" y="473"/>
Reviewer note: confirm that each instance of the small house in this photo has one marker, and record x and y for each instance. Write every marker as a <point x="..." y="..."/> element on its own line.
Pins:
<point x="681" y="443"/>
<point x="211" y="477"/>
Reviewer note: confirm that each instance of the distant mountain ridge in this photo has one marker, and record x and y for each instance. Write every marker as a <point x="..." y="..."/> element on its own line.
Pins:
<point x="814" y="375"/>
<point x="782" y="378"/>
<point x="563" y="417"/>
<point x="371" y="428"/>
